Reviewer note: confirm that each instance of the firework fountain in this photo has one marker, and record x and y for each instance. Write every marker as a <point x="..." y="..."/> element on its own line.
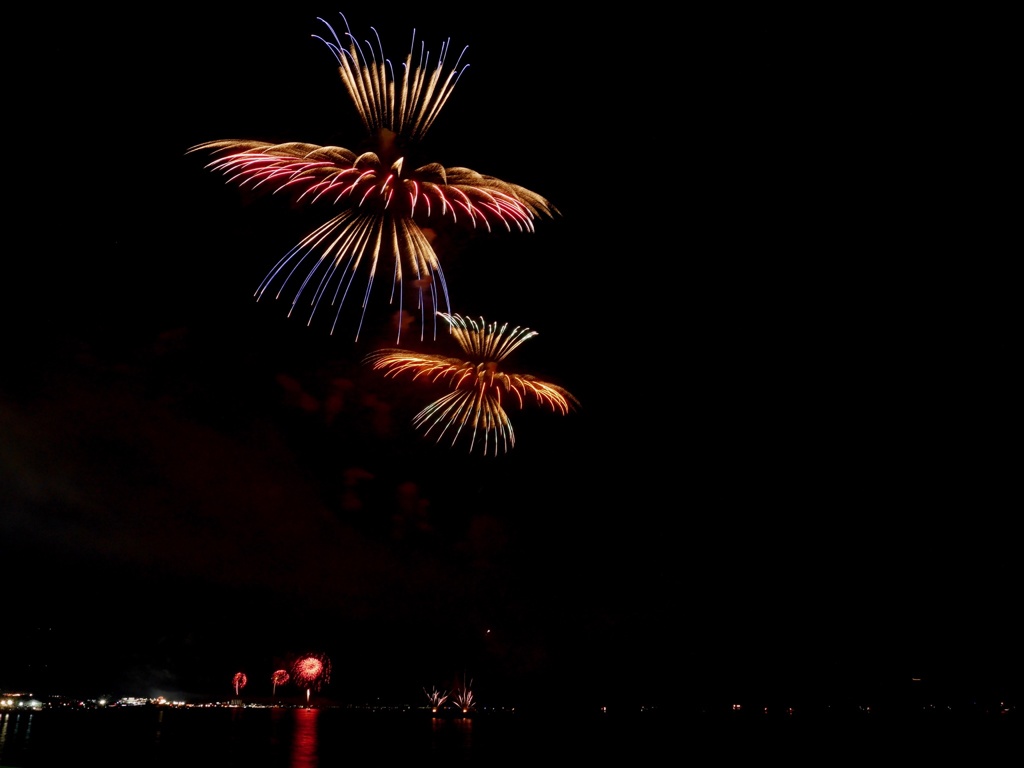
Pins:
<point x="464" y="698"/>
<point x="436" y="698"/>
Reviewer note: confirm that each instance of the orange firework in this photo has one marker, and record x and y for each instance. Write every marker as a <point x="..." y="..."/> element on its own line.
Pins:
<point x="385" y="200"/>
<point x="476" y="403"/>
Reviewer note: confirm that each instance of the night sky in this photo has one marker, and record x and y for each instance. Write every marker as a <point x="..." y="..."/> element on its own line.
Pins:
<point x="788" y="474"/>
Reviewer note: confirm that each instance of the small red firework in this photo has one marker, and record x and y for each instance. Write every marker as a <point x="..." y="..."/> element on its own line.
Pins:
<point x="280" y="677"/>
<point x="239" y="681"/>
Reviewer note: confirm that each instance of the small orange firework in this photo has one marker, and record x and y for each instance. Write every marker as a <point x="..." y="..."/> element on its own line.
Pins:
<point x="387" y="202"/>
<point x="475" y="406"/>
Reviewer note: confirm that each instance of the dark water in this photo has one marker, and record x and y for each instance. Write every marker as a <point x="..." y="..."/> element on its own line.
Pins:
<point x="325" y="738"/>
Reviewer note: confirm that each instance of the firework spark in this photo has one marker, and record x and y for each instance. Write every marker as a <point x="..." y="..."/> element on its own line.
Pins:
<point x="475" y="404"/>
<point x="311" y="672"/>
<point x="239" y="681"/>
<point x="464" y="698"/>
<point x="280" y="677"/>
<point x="436" y="698"/>
<point x="386" y="202"/>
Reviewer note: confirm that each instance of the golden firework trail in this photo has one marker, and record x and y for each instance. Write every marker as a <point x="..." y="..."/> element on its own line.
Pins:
<point x="476" y="406"/>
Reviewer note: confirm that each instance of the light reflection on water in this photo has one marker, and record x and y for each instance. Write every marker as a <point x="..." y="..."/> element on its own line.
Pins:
<point x="254" y="738"/>
<point x="15" y="728"/>
<point x="331" y="738"/>
<point x="444" y="729"/>
<point x="304" y="739"/>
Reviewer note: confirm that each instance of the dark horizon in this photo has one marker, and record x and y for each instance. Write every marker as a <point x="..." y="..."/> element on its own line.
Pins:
<point x="889" y="698"/>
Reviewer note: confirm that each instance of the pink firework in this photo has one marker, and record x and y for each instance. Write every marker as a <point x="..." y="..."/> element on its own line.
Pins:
<point x="280" y="677"/>
<point x="239" y="681"/>
<point x="385" y="205"/>
<point x="311" y="672"/>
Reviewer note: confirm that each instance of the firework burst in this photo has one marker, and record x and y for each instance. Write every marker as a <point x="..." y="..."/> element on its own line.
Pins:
<point x="476" y="406"/>
<point x="385" y="202"/>
<point x="280" y="677"/>
<point x="239" y="681"/>
<point x="311" y="672"/>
